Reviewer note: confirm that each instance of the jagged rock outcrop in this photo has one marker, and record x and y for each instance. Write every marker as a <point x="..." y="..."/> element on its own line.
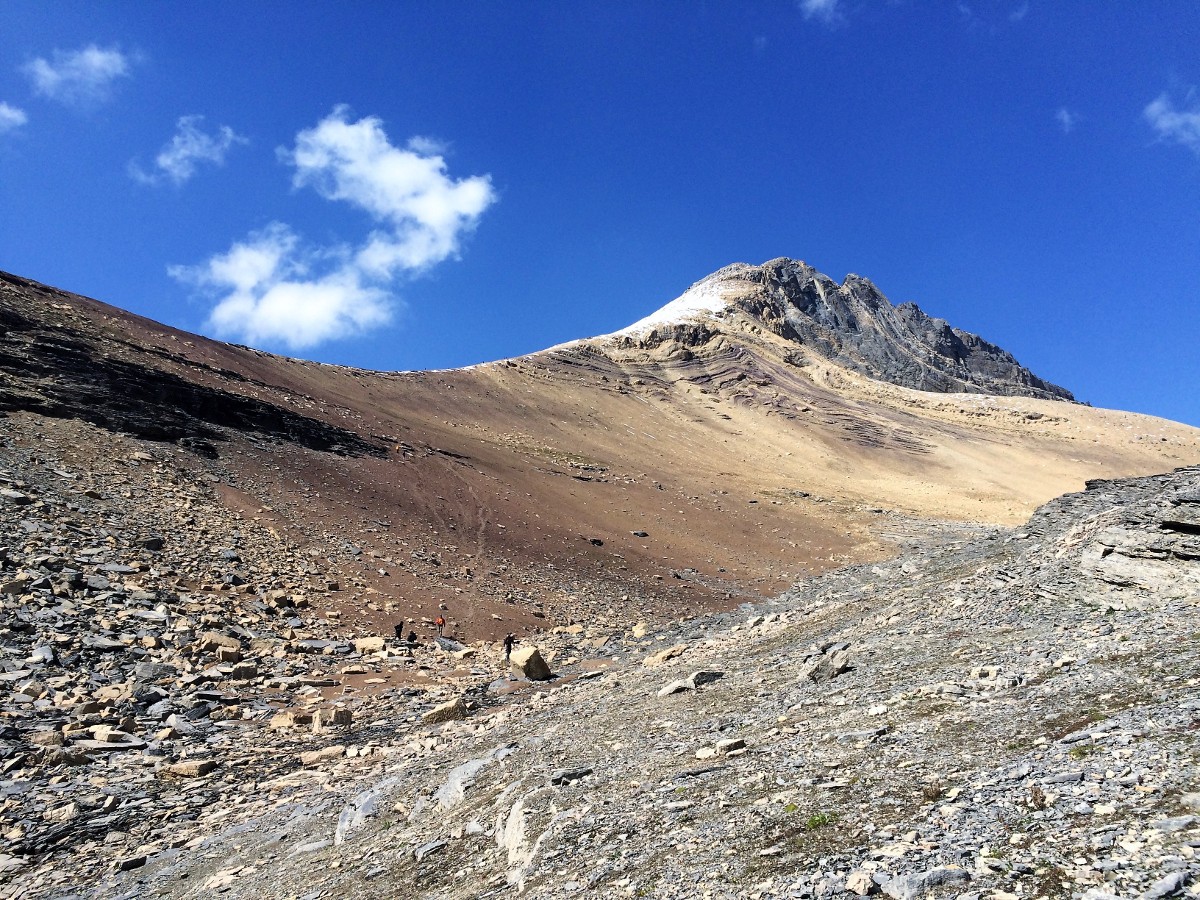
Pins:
<point x="852" y="324"/>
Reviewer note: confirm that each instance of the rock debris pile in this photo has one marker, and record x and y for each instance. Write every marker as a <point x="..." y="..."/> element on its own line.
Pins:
<point x="995" y="714"/>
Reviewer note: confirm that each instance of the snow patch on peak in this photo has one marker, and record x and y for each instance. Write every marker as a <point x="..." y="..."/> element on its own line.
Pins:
<point x="701" y="300"/>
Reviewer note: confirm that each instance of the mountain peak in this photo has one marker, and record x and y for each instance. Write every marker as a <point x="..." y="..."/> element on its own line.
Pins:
<point x="852" y="324"/>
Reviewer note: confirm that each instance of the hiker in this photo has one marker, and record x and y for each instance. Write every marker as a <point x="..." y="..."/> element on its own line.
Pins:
<point x="509" y="640"/>
<point x="412" y="637"/>
<point x="440" y="622"/>
<point x="400" y="630"/>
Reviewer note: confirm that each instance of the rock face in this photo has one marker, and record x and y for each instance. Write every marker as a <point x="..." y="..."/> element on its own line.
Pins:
<point x="854" y="325"/>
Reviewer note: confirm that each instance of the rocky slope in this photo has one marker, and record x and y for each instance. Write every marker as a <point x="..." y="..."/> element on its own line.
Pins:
<point x="204" y="550"/>
<point x="1000" y="713"/>
<point x="708" y="459"/>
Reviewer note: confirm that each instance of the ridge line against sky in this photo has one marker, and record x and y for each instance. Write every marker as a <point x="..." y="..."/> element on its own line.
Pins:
<point x="433" y="189"/>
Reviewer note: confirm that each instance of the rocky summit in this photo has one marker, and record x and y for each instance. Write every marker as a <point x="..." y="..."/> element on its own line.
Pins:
<point x="835" y="636"/>
<point x="854" y="325"/>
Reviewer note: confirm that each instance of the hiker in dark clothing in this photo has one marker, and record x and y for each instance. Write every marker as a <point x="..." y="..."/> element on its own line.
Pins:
<point x="400" y="630"/>
<point x="412" y="637"/>
<point x="509" y="640"/>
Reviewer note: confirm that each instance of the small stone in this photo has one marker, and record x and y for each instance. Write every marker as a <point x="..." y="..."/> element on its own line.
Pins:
<point x="826" y="668"/>
<point x="917" y="884"/>
<point x="1170" y="826"/>
<point x="45" y="738"/>
<point x="244" y="672"/>
<point x="861" y="737"/>
<point x="331" y="717"/>
<point x="675" y="687"/>
<point x="111" y="746"/>
<point x="62" y="813"/>
<point x="209" y="641"/>
<point x="861" y="883"/>
<point x="290" y="718"/>
<point x="1166" y="886"/>
<point x="111" y="735"/>
<point x="41" y="656"/>
<point x="657" y="659"/>
<point x="192" y="768"/>
<point x="426" y="849"/>
<point x="562" y="777"/>
<point x="446" y="712"/>
<point x="1063" y="778"/>
<point x="310" y="847"/>
<point x="703" y="677"/>
<point x="313" y="757"/>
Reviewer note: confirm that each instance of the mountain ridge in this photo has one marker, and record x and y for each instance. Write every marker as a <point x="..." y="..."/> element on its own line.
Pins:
<point x="853" y="324"/>
<point x="207" y="551"/>
<point x="747" y="459"/>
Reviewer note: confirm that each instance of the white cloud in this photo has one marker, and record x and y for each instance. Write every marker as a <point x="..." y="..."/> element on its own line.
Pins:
<point x="1067" y="120"/>
<point x="823" y="10"/>
<point x="79" y="77"/>
<point x="272" y="288"/>
<point x="1178" y="126"/>
<point x="11" y="118"/>
<point x="427" y="145"/>
<point x="1019" y="13"/>
<point x="272" y="291"/>
<point x="179" y="157"/>
<point x="424" y="211"/>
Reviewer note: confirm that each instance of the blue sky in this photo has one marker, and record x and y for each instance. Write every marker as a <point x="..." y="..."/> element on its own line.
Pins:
<point x="423" y="185"/>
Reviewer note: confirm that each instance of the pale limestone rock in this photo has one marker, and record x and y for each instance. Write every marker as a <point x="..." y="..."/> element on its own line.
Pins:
<point x="290" y="718"/>
<point x="657" y="659"/>
<point x="528" y="662"/>
<point x="448" y="711"/>
<point x="861" y="882"/>
<point x="192" y="768"/>
<point x="331" y="717"/>
<point x="313" y="757"/>
<point x="62" y="813"/>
